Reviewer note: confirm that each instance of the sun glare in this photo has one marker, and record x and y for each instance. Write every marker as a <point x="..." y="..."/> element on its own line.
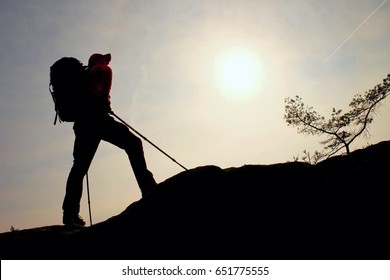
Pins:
<point x="238" y="73"/>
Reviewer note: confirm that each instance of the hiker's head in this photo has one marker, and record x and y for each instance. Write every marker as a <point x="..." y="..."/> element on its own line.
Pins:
<point x="98" y="58"/>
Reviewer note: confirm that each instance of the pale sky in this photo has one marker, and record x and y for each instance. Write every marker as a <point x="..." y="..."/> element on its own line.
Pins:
<point x="170" y="84"/>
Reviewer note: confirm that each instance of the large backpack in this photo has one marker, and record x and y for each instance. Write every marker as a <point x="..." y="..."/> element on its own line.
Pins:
<point x="68" y="87"/>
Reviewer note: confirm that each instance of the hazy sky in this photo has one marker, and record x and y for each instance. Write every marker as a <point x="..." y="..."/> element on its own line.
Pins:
<point x="167" y="61"/>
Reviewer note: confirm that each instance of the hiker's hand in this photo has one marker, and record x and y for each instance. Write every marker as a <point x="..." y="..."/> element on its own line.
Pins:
<point x="107" y="106"/>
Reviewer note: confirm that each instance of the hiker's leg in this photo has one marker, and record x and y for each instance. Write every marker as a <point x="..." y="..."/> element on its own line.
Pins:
<point x="119" y="135"/>
<point x="85" y="146"/>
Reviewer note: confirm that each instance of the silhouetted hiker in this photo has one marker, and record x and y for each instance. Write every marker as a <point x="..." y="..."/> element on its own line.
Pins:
<point x="95" y="125"/>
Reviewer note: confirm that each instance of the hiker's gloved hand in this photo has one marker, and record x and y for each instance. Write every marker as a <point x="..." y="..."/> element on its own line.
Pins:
<point x="106" y="105"/>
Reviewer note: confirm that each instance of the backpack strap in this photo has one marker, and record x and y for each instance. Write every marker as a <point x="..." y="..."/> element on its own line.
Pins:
<point x="52" y="95"/>
<point x="55" y="119"/>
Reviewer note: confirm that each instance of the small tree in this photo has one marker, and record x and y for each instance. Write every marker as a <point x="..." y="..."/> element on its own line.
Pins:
<point x="341" y="129"/>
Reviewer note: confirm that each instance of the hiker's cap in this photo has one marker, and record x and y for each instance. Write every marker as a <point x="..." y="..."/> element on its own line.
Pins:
<point x="98" y="58"/>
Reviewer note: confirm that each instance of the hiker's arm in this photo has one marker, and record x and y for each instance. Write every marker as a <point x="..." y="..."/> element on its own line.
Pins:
<point x="100" y="86"/>
<point x="106" y="81"/>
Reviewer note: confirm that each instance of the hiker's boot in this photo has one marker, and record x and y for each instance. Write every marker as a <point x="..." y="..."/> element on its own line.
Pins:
<point x="145" y="190"/>
<point x="73" y="220"/>
<point x="148" y="190"/>
<point x="147" y="184"/>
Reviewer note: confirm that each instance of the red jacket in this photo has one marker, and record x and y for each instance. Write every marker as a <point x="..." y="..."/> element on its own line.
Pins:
<point x="100" y="80"/>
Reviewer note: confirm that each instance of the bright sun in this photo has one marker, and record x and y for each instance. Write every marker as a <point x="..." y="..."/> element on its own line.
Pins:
<point x="238" y="73"/>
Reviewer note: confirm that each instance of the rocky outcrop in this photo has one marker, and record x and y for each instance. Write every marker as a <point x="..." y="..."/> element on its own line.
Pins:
<point x="337" y="209"/>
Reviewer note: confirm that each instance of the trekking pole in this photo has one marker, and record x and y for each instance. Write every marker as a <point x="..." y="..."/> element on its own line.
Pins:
<point x="171" y="158"/>
<point x="89" y="201"/>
